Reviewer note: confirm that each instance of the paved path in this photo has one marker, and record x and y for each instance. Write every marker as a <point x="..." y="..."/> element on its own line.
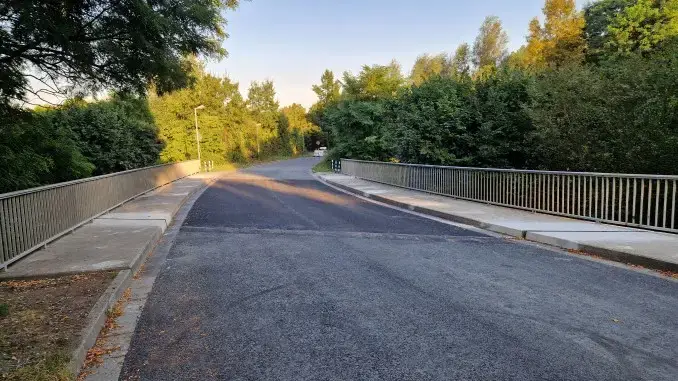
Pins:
<point x="275" y="276"/>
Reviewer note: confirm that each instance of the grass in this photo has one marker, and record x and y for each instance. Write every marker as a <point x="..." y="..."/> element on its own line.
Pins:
<point x="52" y="368"/>
<point x="324" y="166"/>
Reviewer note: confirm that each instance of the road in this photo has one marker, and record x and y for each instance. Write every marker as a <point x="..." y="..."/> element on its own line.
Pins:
<point x="275" y="276"/>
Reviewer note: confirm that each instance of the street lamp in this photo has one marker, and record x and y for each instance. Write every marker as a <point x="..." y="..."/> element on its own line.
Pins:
<point x="197" y="134"/>
<point x="258" y="150"/>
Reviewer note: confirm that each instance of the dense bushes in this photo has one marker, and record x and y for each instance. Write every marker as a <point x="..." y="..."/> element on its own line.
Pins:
<point x="617" y="115"/>
<point x="592" y="90"/>
<point x="79" y="139"/>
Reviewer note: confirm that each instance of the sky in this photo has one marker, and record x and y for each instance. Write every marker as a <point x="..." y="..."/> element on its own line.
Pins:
<point x="291" y="42"/>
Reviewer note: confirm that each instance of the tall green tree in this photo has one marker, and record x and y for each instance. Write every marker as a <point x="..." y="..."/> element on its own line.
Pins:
<point x="329" y="89"/>
<point x="490" y="47"/>
<point x="264" y="108"/>
<point x="428" y="66"/>
<point x="226" y="128"/>
<point x="263" y="104"/>
<point x="643" y="26"/>
<point x="374" y="82"/>
<point x="104" y="43"/>
<point x="560" y="41"/>
<point x="598" y="16"/>
<point x="115" y="135"/>
<point x="461" y="61"/>
<point x="328" y="92"/>
<point x="298" y="127"/>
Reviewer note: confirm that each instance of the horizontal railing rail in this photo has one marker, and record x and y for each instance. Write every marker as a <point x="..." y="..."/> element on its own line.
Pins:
<point x="31" y="218"/>
<point x="644" y="201"/>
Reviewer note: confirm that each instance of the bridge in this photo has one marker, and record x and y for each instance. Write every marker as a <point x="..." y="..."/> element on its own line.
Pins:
<point x="378" y="271"/>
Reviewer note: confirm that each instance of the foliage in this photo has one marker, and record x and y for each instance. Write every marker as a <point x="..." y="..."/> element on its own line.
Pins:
<point x="324" y="166"/>
<point x="220" y="122"/>
<point x="427" y="67"/>
<point x="431" y="123"/>
<point x="374" y="82"/>
<point x="114" y="135"/>
<point x="358" y="126"/>
<point x="641" y="27"/>
<point x="489" y="48"/>
<point x="104" y="44"/>
<point x="76" y="140"/>
<point x="598" y="16"/>
<point x="461" y="61"/>
<point x="620" y="116"/>
<point x="329" y="89"/>
<point x="560" y="41"/>
<point x="300" y="131"/>
<point x="543" y="107"/>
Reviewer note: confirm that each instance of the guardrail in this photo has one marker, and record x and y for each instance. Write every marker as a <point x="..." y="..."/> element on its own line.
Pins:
<point x="31" y="218"/>
<point x="645" y="201"/>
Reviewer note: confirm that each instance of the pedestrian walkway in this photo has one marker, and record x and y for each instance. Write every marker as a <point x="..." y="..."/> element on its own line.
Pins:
<point x="118" y="240"/>
<point x="623" y="244"/>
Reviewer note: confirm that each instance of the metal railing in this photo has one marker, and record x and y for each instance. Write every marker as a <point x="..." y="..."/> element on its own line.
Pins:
<point x="645" y="201"/>
<point x="31" y="218"/>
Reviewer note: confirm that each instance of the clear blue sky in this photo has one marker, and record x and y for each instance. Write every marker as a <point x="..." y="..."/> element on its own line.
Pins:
<point x="292" y="41"/>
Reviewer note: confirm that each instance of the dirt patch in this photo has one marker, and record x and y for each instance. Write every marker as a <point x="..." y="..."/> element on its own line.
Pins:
<point x="42" y="321"/>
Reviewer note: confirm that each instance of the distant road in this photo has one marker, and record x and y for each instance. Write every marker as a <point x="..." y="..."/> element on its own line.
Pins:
<point x="275" y="276"/>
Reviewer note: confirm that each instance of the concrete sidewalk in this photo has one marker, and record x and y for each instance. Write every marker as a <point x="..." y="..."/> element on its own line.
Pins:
<point x="118" y="240"/>
<point x="629" y="245"/>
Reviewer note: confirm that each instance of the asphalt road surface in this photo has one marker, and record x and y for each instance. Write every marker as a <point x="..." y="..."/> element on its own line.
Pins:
<point x="275" y="276"/>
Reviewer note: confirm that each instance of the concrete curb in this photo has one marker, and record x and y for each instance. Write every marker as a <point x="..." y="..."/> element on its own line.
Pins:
<point x="98" y="314"/>
<point x="610" y="254"/>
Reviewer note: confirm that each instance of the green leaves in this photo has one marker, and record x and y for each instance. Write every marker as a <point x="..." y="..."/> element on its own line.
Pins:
<point x="108" y="44"/>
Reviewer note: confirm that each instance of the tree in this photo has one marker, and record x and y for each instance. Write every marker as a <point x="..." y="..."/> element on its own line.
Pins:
<point x="328" y="92"/>
<point x="533" y="56"/>
<point x="563" y="33"/>
<point x="90" y="45"/>
<point x="427" y="67"/>
<point x="598" y="16"/>
<point x="115" y="135"/>
<point x="643" y="26"/>
<point x="489" y="48"/>
<point x="262" y="103"/>
<point x="374" y="82"/>
<point x="461" y="61"/>
<point x="264" y="109"/>
<point x="34" y="151"/>
<point x="431" y="123"/>
<point x="560" y="41"/>
<point x="297" y="125"/>
<point x="329" y="89"/>
<point x="226" y="127"/>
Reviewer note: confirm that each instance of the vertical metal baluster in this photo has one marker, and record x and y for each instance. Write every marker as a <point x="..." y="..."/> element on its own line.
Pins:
<point x="656" y="204"/>
<point x="596" y="215"/>
<point x="666" y="196"/>
<point x="614" y="199"/>
<point x="626" y="209"/>
<point x="673" y="206"/>
<point x="558" y="197"/>
<point x="633" y="206"/>
<point x="642" y="201"/>
<point x="649" y="203"/>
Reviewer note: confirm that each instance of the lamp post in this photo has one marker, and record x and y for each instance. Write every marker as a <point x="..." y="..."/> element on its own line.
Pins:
<point x="258" y="150"/>
<point x="197" y="134"/>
